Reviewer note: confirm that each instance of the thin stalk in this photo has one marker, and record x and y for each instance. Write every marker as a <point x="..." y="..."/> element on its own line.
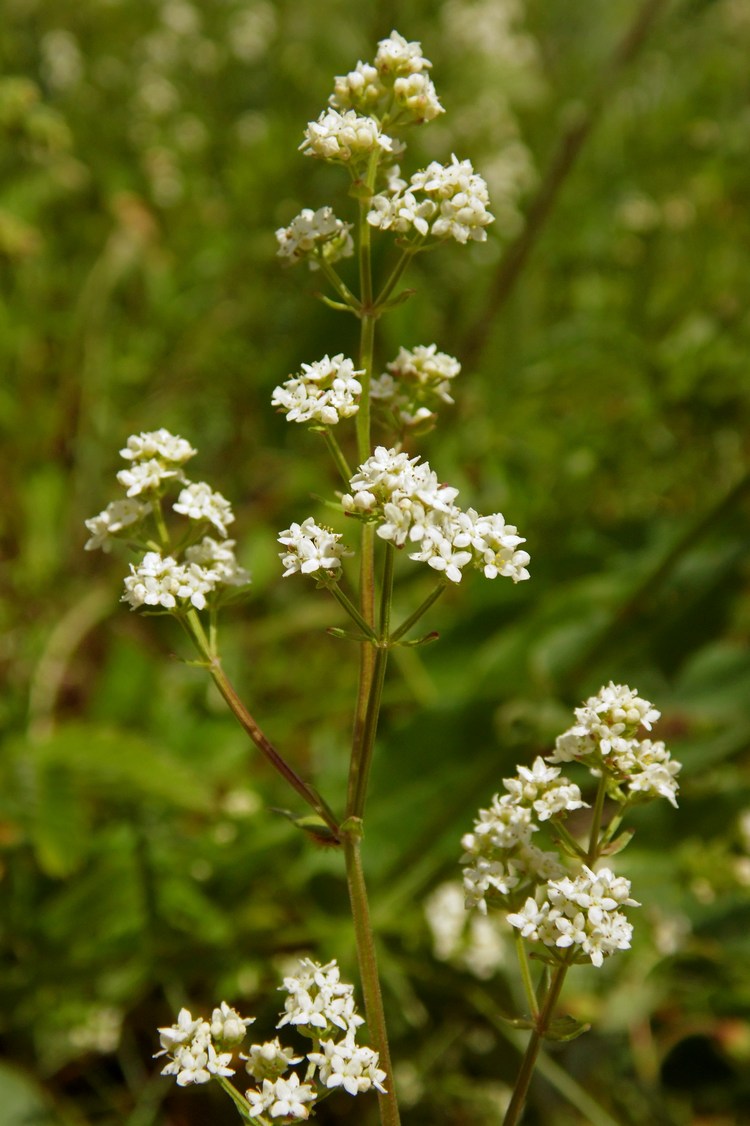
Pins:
<point x="338" y="455"/>
<point x="338" y="285"/>
<point x="412" y="620"/>
<point x="368" y="970"/>
<point x="596" y="821"/>
<point x="398" y="272"/>
<point x="352" y="610"/>
<point x="242" y="1105"/>
<point x="544" y="1018"/>
<point x="525" y="969"/>
<point x="195" y="629"/>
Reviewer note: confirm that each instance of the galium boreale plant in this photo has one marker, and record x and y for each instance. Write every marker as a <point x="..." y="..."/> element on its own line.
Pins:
<point x="565" y="903"/>
<point x="390" y="504"/>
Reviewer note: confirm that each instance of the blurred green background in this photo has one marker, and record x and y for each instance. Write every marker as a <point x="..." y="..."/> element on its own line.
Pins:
<point x="148" y="153"/>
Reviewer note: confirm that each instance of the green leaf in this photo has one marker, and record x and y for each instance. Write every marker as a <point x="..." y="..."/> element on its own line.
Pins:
<point x="566" y="1028"/>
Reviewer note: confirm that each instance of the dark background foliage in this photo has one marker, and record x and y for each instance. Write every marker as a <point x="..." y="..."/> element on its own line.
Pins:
<point x="148" y="154"/>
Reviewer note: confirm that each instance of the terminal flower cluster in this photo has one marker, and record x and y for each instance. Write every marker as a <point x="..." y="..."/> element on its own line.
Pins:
<point x="345" y="138"/>
<point x="395" y="87"/>
<point x="311" y="548"/>
<point x="442" y="201"/>
<point x="323" y="393"/>
<point x="580" y="913"/>
<point x="557" y="899"/>
<point x="168" y="578"/>
<point x="321" y="1007"/>
<point x="313" y="235"/>
<point x="605" y="738"/>
<point x="405" y="498"/>
<point x="415" y="384"/>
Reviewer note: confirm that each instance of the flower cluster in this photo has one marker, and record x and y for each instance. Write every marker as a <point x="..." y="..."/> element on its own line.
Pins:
<point x="499" y="856"/>
<point x="414" y="385"/>
<point x="310" y="548"/>
<point x="313" y="235"/>
<point x="345" y="138"/>
<point x="574" y="914"/>
<point x="442" y="201"/>
<point x="395" y="87"/>
<point x="321" y="1007"/>
<point x="322" y="393"/>
<point x="181" y="577"/>
<point x="604" y="738"/>
<point x="405" y="498"/>
<point x="581" y="913"/>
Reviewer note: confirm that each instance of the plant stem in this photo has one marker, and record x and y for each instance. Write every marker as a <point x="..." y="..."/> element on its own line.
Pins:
<point x="195" y="629"/>
<point x="351" y="610"/>
<point x="420" y="610"/>
<point x="395" y="277"/>
<point x="241" y="1104"/>
<point x="544" y="1018"/>
<point x="338" y="455"/>
<point x="596" y="821"/>
<point x="368" y="970"/>
<point x="523" y="965"/>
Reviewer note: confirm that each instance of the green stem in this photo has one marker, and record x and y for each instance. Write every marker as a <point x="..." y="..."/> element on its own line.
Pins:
<point x="338" y="455"/>
<point x="195" y="629"/>
<point x="161" y="526"/>
<point x="242" y="1105"/>
<point x="523" y="965"/>
<point x="528" y="1063"/>
<point x="414" y="618"/>
<point x="596" y="822"/>
<point x="393" y="280"/>
<point x="352" y="610"/>
<point x="368" y="969"/>
<point x="337" y="284"/>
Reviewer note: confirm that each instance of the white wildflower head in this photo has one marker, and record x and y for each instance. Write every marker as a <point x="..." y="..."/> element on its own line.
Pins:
<point x="163" y="582"/>
<point x="605" y="738"/>
<point x="472" y="942"/>
<point x="318" y="999"/>
<point x="199" y="502"/>
<point x="347" y="1065"/>
<point x="396" y="88"/>
<point x="217" y="558"/>
<point x="579" y="915"/>
<point x="311" y="548"/>
<point x="282" y="1098"/>
<point x="315" y="234"/>
<point x="149" y="476"/>
<point x="322" y="393"/>
<point x="160" y="445"/>
<point x="269" y="1060"/>
<point x="227" y="1026"/>
<point x="119" y="516"/>
<point x="442" y="201"/>
<point x="416" y="383"/>
<point x="346" y="138"/>
<point x="404" y="497"/>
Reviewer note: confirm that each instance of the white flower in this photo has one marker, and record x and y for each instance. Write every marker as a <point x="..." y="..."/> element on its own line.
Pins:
<point x="318" y="998"/>
<point x="323" y="392"/>
<point x="199" y="502"/>
<point x="417" y="94"/>
<point x="228" y="1026"/>
<point x="190" y="1064"/>
<point x="347" y="137"/>
<point x="396" y="55"/>
<point x="158" y="581"/>
<point x="269" y="1060"/>
<point x="311" y="548"/>
<point x="158" y="444"/>
<point x="345" y="1064"/>
<point x="218" y="1062"/>
<point x="542" y="790"/>
<point x="217" y="558"/>
<point x="496" y="544"/>
<point x="282" y="1098"/>
<point x="179" y="1033"/>
<point x="361" y="89"/>
<point x="116" y="516"/>
<point x="647" y="768"/>
<point x="444" y="201"/>
<point x="148" y="476"/>
<point x="312" y="231"/>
